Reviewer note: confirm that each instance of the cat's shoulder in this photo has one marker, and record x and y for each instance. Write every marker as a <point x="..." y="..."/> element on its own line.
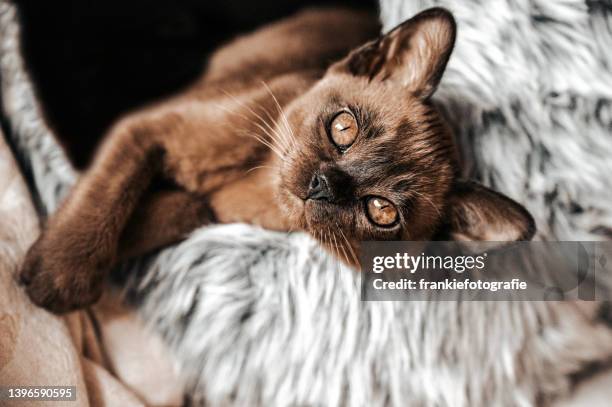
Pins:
<point x="308" y="39"/>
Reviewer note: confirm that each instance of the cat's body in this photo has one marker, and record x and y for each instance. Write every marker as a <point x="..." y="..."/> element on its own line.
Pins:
<point x="276" y="135"/>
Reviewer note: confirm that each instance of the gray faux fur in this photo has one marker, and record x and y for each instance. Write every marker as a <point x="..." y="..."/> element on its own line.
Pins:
<point x="258" y="318"/>
<point x="529" y="92"/>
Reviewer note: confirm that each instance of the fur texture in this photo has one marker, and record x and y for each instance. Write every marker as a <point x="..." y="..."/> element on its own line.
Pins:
<point x="259" y="318"/>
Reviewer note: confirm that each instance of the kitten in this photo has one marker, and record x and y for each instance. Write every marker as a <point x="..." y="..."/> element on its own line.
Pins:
<point x="276" y="135"/>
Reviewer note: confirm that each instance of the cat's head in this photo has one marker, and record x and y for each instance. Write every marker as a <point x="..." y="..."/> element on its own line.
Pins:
<point x="375" y="161"/>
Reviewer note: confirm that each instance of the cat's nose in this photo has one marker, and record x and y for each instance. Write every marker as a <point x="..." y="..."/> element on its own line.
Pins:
<point x="319" y="188"/>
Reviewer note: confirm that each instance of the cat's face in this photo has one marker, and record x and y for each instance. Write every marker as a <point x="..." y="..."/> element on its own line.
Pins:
<point x="373" y="159"/>
<point x="369" y="160"/>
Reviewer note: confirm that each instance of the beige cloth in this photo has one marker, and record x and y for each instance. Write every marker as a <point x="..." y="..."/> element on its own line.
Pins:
<point x="106" y="352"/>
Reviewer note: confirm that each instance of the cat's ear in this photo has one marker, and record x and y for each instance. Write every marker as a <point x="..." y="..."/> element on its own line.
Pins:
<point x="478" y="213"/>
<point x="413" y="54"/>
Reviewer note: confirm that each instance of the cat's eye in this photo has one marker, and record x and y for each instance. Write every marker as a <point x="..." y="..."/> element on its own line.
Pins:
<point x="381" y="211"/>
<point x="343" y="129"/>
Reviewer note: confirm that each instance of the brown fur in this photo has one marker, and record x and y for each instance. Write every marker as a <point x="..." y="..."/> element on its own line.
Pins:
<point x="243" y="143"/>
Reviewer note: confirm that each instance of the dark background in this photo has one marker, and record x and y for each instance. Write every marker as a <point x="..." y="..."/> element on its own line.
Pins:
<point x="92" y="60"/>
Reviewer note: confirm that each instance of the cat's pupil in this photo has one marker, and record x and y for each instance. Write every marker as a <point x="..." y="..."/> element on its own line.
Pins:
<point x="343" y="129"/>
<point x="340" y="127"/>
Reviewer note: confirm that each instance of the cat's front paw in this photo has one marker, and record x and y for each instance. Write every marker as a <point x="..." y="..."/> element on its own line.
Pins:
<point x="56" y="279"/>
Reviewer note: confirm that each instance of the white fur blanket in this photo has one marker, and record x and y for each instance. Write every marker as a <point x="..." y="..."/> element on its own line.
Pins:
<point x="264" y="319"/>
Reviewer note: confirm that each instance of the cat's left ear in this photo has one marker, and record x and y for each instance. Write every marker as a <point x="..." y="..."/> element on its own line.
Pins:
<point x="477" y="213"/>
<point x="413" y="54"/>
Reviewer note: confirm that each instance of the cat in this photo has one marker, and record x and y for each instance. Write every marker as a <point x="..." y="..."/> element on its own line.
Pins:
<point x="302" y="125"/>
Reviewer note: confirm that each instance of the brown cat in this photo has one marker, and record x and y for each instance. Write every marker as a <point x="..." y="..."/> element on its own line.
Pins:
<point x="275" y="135"/>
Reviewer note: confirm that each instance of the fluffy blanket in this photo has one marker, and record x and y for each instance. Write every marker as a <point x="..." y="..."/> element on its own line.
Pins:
<point x="529" y="92"/>
<point x="257" y="318"/>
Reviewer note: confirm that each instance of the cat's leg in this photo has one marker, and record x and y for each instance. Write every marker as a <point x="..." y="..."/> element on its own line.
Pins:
<point x="164" y="217"/>
<point x="66" y="267"/>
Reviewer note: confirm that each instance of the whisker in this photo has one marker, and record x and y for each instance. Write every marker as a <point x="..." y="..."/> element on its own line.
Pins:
<point x="327" y="243"/>
<point x="282" y="113"/>
<point x="226" y="109"/>
<point x="269" y="145"/>
<point x="261" y="166"/>
<point x="286" y="138"/>
<point x="272" y="147"/>
<point x="354" y="256"/>
<point x="279" y="136"/>
<point x="276" y="135"/>
<point x="342" y="245"/>
<point x="335" y="247"/>
<point x="336" y="243"/>
<point x="244" y="105"/>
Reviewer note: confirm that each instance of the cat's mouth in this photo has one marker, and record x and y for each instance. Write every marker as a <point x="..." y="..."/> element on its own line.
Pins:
<point x="319" y="213"/>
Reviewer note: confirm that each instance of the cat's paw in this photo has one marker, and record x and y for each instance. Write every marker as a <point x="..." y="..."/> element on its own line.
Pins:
<point x="56" y="279"/>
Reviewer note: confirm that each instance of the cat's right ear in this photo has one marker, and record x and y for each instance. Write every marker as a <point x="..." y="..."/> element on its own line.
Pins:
<point x="414" y="54"/>
<point x="477" y="213"/>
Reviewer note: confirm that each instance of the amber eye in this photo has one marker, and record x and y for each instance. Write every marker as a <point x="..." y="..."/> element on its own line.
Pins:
<point x="381" y="211"/>
<point x="343" y="129"/>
